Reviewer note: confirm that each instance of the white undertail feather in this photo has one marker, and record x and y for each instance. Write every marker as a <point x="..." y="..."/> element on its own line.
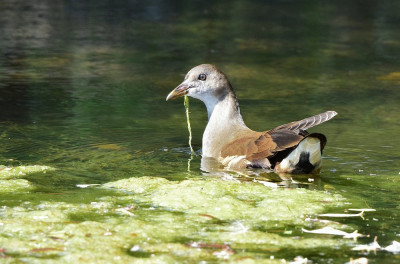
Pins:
<point x="235" y="162"/>
<point x="310" y="145"/>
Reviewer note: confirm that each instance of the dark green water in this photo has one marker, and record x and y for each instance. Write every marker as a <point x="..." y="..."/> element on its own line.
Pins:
<point x="83" y="87"/>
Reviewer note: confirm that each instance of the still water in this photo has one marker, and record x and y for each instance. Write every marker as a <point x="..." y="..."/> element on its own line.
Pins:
<point x="82" y="91"/>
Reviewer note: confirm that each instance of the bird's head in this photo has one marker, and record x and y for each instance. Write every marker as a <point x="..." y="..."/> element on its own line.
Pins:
<point x="204" y="82"/>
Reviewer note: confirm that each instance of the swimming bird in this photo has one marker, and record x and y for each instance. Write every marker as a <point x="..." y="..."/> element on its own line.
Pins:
<point x="288" y="148"/>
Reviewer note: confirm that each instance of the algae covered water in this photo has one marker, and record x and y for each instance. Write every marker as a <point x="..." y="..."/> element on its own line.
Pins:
<point x="94" y="163"/>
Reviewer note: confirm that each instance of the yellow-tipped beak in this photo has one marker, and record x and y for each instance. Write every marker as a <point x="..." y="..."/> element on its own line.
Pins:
<point x="179" y="91"/>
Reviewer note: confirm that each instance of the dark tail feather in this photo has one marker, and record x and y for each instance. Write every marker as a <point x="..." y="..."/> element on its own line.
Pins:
<point x="306" y="123"/>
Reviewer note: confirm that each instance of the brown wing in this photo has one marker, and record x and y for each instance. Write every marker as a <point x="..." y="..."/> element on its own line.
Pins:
<point x="248" y="145"/>
<point x="275" y="144"/>
<point x="260" y="145"/>
<point x="282" y="140"/>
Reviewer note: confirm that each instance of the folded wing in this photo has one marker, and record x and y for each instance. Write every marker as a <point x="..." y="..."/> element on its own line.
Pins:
<point x="276" y="143"/>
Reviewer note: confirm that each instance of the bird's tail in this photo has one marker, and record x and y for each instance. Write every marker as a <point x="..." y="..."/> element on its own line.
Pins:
<point x="305" y="158"/>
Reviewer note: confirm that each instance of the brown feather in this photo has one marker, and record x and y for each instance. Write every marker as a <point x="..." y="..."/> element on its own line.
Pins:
<point x="277" y="143"/>
<point x="261" y="145"/>
<point x="246" y="145"/>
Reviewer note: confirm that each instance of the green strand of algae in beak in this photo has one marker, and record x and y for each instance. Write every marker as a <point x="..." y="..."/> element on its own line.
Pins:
<point x="186" y="103"/>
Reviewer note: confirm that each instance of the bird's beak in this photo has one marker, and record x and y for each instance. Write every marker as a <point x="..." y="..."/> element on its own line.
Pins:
<point x="179" y="91"/>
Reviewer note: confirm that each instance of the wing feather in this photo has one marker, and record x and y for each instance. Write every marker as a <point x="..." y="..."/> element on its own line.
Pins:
<point x="275" y="144"/>
<point x="307" y="123"/>
<point x="261" y="145"/>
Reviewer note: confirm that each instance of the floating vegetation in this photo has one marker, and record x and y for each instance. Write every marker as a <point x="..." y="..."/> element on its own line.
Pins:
<point x="152" y="219"/>
<point x="10" y="181"/>
<point x="212" y="220"/>
<point x="15" y="185"/>
<point x="227" y="200"/>
<point x="21" y="171"/>
<point x="393" y="76"/>
<point x="186" y="103"/>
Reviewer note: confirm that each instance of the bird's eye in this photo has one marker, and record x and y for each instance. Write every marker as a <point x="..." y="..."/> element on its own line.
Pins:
<point x="202" y="77"/>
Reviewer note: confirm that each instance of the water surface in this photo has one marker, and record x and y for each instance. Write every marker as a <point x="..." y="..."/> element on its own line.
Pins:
<point x="82" y="90"/>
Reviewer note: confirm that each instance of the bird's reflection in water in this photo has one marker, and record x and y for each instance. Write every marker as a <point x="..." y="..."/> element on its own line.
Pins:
<point x="211" y="167"/>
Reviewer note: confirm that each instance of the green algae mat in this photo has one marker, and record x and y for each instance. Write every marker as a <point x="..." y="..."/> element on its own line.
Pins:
<point x="155" y="220"/>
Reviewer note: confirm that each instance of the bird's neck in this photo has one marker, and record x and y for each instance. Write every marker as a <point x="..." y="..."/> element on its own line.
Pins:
<point x="224" y="123"/>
